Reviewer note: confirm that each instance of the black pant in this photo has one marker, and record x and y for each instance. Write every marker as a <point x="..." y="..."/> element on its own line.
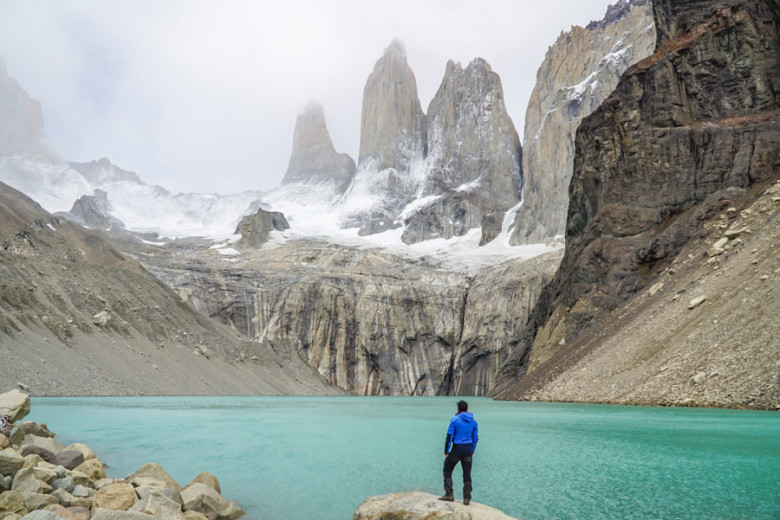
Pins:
<point x="465" y="457"/>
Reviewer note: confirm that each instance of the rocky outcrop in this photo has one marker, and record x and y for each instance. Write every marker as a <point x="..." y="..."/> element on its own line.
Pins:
<point x="579" y="71"/>
<point x="94" y="212"/>
<point x="256" y="229"/>
<point x="21" y="119"/>
<point x="690" y="132"/>
<point x="314" y="160"/>
<point x="50" y="492"/>
<point x="14" y="405"/>
<point x="392" y="142"/>
<point x="421" y="506"/>
<point x="474" y="154"/>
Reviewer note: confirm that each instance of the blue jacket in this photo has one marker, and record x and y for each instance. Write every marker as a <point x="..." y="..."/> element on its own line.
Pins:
<point x="462" y="430"/>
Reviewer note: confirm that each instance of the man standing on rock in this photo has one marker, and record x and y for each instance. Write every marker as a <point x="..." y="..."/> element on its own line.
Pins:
<point x="462" y="434"/>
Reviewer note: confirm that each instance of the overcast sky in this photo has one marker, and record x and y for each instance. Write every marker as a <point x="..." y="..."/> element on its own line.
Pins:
<point x="202" y="95"/>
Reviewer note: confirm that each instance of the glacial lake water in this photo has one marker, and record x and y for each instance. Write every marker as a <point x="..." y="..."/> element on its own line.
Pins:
<point x="305" y="458"/>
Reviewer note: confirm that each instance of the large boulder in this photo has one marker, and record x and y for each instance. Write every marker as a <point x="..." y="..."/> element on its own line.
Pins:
<point x="162" y="507"/>
<point x="12" y="502"/>
<point x="92" y="468"/>
<point x="47" y="443"/>
<point x="10" y="462"/>
<point x="204" y="499"/>
<point x="14" y="404"/>
<point x="208" y="479"/>
<point x="422" y="506"/>
<point x="119" y="496"/>
<point x="83" y="449"/>
<point x="69" y="459"/>
<point x="21" y="430"/>
<point x="156" y="472"/>
<point x="26" y="483"/>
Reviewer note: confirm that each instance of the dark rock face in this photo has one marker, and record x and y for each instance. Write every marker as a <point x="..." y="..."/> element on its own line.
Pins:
<point x="314" y="159"/>
<point x="698" y="118"/>
<point x="94" y="211"/>
<point x="256" y="229"/>
<point x="21" y="119"/>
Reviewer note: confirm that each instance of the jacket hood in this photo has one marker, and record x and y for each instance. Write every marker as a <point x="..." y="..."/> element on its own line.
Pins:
<point x="466" y="416"/>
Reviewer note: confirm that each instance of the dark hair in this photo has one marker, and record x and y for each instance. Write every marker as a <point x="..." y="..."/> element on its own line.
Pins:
<point x="463" y="406"/>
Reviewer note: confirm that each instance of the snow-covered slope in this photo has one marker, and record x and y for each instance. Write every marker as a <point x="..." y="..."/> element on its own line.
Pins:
<point x="56" y="184"/>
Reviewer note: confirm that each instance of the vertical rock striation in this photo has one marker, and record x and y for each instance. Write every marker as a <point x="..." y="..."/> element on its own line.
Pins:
<point x="474" y="153"/>
<point x="686" y="127"/>
<point x="578" y="72"/>
<point x="314" y="160"/>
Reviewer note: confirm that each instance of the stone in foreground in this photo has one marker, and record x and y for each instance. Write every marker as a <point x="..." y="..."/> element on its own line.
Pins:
<point x="14" y="405"/>
<point x="417" y="505"/>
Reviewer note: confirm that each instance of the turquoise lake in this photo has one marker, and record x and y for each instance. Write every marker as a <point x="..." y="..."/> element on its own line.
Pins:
<point x="310" y="458"/>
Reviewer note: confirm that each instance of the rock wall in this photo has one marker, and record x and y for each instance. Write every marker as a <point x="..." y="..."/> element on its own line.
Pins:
<point x="688" y="131"/>
<point x="474" y="153"/>
<point x="579" y="71"/>
<point x="369" y="322"/>
<point x="314" y="159"/>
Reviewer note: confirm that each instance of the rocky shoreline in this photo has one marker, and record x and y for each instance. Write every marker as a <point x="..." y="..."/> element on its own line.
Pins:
<point x="40" y="479"/>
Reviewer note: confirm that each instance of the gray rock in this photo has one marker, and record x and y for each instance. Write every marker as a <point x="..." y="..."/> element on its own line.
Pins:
<point x="256" y="229"/>
<point x="160" y="506"/>
<point x="422" y="506"/>
<point x="82" y="491"/>
<point x="14" y="404"/>
<point x="46" y="443"/>
<point x="5" y="482"/>
<point x="392" y="140"/>
<point x="69" y="459"/>
<point x="10" y="462"/>
<point x="35" y="501"/>
<point x="154" y="471"/>
<point x="94" y="211"/>
<point x="21" y="430"/>
<point x="474" y="152"/>
<point x="208" y="479"/>
<point x="697" y="301"/>
<point x="204" y="499"/>
<point x="26" y="483"/>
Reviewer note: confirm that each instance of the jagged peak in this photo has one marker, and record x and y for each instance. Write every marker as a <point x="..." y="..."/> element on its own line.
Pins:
<point x="616" y="12"/>
<point x="396" y="48"/>
<point x="312" y="107"/>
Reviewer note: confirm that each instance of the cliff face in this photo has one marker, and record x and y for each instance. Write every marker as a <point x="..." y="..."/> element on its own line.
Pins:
<point x="579" y="71"/>
<point x="689" y="132"/>
<point x="369" y="322"/>
<point x="473" y="163"/>
<point x="313" y="159"/>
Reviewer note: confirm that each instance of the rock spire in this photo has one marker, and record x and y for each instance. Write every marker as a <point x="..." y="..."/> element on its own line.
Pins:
<point x="314" y="159"/>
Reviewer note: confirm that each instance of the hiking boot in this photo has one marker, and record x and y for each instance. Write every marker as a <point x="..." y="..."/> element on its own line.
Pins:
<point x="447" y="498"/>
<point x="466" y="501"/>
